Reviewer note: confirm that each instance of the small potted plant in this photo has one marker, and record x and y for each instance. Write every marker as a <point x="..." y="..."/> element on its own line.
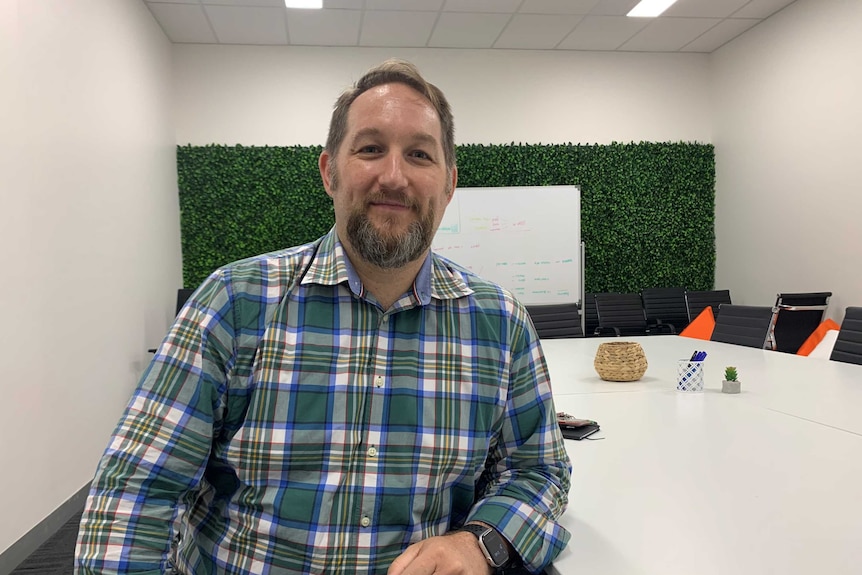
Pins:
<point x="731" y="382"/>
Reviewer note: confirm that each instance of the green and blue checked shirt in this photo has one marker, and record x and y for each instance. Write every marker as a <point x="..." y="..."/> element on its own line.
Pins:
<point x="305" y="430"/>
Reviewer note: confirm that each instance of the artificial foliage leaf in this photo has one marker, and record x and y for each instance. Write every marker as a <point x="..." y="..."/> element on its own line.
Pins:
<point x="647" y="209"/>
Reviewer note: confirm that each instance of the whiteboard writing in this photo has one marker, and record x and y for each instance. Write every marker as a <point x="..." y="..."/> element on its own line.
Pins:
<point x="526" y="239"/>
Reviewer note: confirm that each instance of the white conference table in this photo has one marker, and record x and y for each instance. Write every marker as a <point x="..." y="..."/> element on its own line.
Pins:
<point x="767" y="481"/>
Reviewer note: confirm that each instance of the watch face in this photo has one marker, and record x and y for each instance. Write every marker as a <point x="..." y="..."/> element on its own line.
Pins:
<point x="495" y="547"/>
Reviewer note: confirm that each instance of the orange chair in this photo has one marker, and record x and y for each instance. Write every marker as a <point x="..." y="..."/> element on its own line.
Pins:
<point x="701" y="327"/>
<point x="817" y="336"/>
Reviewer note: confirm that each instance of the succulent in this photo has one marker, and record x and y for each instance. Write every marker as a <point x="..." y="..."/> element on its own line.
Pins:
<point x="730" y="373"/>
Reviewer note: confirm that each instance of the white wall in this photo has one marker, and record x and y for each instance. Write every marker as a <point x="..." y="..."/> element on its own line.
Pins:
<point x="787" y="127"/>
<point x="256" y="95"/>
<point x="89" y="236"/>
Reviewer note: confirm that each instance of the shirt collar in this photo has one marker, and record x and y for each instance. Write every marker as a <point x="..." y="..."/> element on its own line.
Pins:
<point x="438" y="277"/>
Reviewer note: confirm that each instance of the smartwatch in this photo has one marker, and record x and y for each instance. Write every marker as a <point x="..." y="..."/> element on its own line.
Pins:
<point x="491" y="543"/>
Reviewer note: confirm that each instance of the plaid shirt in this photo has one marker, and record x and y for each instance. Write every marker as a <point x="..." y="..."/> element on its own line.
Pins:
<point x="305" y="430"/>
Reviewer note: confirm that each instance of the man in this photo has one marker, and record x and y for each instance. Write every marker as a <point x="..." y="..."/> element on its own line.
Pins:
<point x="354" y="405"/>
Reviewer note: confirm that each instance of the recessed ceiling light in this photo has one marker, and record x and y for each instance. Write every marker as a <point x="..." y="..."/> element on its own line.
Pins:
<point x="303" y="3"/>
<point x="650" y="8"/>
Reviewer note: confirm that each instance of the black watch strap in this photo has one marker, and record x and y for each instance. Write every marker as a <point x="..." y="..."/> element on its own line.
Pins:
<point x="475" y="529"/>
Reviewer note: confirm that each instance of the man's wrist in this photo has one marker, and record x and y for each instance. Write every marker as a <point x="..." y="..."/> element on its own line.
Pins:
<point x="497" y="551"/>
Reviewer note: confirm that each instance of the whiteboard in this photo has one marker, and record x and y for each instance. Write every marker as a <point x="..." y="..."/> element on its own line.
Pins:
<point x="527" y="239"/>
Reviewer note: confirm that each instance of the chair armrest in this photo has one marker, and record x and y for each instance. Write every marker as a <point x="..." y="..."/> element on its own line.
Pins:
<point x="607" y="330"/>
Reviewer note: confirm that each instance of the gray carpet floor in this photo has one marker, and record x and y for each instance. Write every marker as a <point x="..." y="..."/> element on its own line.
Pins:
<point x="55" y="556"/>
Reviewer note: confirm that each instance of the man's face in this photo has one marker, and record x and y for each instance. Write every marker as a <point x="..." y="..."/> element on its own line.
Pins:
<point x="389" y="182"/>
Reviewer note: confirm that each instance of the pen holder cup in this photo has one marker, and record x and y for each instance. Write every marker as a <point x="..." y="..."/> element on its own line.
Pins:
<point x="689" y="375"/>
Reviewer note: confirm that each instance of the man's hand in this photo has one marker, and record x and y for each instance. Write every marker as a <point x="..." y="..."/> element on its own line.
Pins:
<point x="455" y="554"/>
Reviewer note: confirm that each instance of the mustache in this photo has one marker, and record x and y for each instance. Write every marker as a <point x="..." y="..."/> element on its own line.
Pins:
<point x="398" y="198"/>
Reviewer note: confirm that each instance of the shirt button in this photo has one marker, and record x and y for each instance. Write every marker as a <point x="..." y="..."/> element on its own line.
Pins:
<point x="365" y="521"/>
<point x="378" y="381"/>
<point x="372" y="452"/>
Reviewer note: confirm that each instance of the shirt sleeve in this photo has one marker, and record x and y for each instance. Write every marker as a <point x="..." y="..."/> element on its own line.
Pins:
<point x="160" y="447"/>
<point x="525" y="486"/>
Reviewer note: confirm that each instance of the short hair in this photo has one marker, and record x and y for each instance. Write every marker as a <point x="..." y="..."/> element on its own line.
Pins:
<point x="393" y="71"/>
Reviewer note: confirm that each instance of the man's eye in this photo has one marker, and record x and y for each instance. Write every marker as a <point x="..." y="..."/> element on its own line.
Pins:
<point x="421" y="155"/>
<point x="369" y="149"/>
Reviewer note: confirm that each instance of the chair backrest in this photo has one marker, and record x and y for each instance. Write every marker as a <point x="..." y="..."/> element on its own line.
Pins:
<point x="556" y="320"/>
<point x="666" y="306"/>
<point x="795" y="316"/>
<point x="182" y="295"/>
<point x="591" y="314"/>
<point x="696" y="301"/>
<point x="621" y="312"/>
<point x="848" y="346"/>
<point x="746" y="325"/>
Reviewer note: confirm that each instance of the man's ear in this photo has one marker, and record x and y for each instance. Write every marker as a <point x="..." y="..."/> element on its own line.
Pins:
<point x="324" y="164"/>
<point x="454" y="184"/>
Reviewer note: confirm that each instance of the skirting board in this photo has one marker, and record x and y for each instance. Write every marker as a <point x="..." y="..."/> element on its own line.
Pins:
<point x="34" y="538"/>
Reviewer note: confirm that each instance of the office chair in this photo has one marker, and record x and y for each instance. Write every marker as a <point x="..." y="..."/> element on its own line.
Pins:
<point x="591" y="315"/>
<point x="746" y="325"/>
<point x="556" y="320"/>
<point x="620" y="314"/>
<point x="183" y="294"/>
<point x="848" y="346"/>
<point x="665" y="309"/>
<point x="696" y="301"/>
<point x="795" y="316"/>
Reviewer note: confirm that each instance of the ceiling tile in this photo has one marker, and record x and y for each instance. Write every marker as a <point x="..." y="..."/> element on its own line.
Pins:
<point x="183" y="23"/>
<point x="236" y="25"/>
<point x="721" y="34"/>
<point x="252" y="3"/>
<point x="761" y="8"/>
<point x="667" y="35"/>
<point x="417" y="5"/>
<point x="698" y="25"/>
<point x="383" y="28"/>
<point x="557" y="6"/>
<point x="467" y="30"/>
<point x="704" y="8"/>
<point x="602" y="33"/>
<point x="502" y="6"/>
<point x="613" y="7"/>
<point x="324" y="27"/>
<point x="536" y="32"/>
<point x="342" y="4"/>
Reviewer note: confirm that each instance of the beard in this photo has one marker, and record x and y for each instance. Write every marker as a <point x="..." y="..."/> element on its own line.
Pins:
<point x="385" y="249"/>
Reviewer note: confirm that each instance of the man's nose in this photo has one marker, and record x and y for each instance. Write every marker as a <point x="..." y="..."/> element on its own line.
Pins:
<point x="394" y="172"/>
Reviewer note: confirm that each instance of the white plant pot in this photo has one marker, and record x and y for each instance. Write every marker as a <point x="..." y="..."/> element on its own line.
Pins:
<point x="730" y="386"/>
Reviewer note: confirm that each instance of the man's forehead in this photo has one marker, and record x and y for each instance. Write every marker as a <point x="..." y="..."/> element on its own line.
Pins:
<point x="393" y="94"/>
<point x="367" y="113"/>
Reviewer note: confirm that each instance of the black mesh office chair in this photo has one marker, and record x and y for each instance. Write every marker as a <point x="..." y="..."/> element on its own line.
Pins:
<point x="591" y="315"/>
<point x="795" y="316"/>
<point x="665" y="309"/>
<point x="746" y="325"/>
<point x="848" y="345"/>
<point x="620" y="314"/>
<point x="697" y="301"/>
<point x="556" y="320"/>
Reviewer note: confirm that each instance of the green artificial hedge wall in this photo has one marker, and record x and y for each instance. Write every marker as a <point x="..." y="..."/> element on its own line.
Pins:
<point x="647" y="209"/>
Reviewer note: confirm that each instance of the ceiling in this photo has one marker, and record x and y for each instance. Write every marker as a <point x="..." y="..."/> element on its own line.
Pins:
<point x="687" y="26"/>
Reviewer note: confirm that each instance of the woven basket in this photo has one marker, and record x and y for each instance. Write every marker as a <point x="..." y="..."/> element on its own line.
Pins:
<point x="620" y="361"/>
